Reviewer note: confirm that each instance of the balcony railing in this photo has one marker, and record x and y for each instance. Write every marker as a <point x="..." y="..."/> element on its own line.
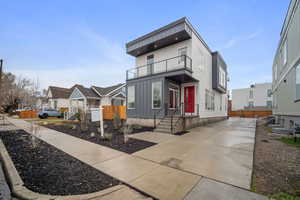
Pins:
<point x="168" y="65"/>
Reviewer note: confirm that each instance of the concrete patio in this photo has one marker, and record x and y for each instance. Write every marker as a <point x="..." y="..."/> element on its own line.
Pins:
<point x="179" y="166"/>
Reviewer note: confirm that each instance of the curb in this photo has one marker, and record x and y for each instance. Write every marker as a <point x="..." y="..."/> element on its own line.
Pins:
<point x="20" y="191"/>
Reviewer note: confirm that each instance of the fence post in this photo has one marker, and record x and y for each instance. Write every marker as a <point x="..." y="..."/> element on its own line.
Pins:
<point x="101" y="121"/>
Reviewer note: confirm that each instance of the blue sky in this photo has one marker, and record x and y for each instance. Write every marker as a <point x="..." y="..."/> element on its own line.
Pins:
<point x="63" y="42"/>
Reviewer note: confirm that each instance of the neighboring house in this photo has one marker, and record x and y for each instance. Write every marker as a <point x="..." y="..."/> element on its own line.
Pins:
<point x="177" y="75"/>
<point x="58" y="97"/>
<point x="286" y="69"/>
<point x="41" y="102"/>
<point x="256" y="97"/>
<point x="86" y="98"/>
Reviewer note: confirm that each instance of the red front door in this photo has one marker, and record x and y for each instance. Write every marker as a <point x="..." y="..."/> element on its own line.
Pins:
<point x="189" y="99"/>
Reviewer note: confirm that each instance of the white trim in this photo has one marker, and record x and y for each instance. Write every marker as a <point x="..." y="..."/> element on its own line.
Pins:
<point x="95" y="90"/>
<point x="84" y="97"/>
<point x="119" y="97"/>
<point x="285" y="74"/>
<point x="161" y="93"/>
<point x="123" y="85"/>
<point x="127" y="102"/>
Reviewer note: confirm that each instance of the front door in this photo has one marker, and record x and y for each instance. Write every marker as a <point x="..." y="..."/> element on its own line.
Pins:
<point x="189" y="99"/>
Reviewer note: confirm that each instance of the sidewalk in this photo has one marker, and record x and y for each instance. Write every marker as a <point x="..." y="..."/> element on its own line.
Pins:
<point x="157" y="180"/>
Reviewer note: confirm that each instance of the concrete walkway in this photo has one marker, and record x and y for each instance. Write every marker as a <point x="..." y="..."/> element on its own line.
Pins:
<point x="174" y="168"/>
<point x="222" y="151"/>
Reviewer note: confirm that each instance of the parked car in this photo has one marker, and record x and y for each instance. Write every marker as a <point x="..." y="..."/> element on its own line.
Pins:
<point x="48" y="112"/>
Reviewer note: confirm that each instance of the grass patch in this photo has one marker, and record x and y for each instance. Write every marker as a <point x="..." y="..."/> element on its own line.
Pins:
<point x="284" y="196"/>
<point x="291" y="141"/>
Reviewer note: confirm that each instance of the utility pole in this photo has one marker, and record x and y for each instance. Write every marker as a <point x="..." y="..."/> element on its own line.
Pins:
<point x="1" y="64"/>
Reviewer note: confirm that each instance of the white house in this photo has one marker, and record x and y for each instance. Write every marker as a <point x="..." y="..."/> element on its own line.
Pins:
<point x="286" y="70"/>
<point x="256" y="97"/>
<point x="58" y="97"/>
<point x="86" y="98"/>
<point x="176" y="76"/>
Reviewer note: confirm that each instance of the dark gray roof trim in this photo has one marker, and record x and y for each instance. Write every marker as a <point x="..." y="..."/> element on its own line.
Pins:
<point x="169" y="26"/>
<point x="87" y="92"/>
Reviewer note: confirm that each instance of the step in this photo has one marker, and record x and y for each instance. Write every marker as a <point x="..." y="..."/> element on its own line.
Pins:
<point x="162" y="130"/>
<point x="164" y="126"/>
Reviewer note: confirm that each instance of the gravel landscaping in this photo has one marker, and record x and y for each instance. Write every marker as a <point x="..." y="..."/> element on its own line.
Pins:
<point x="276" y="167"/>
<point x="47" y="170"/>
<point x="116" y="142"/>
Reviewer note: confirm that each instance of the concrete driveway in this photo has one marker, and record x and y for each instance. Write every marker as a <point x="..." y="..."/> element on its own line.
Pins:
<point x="222" y="151"/>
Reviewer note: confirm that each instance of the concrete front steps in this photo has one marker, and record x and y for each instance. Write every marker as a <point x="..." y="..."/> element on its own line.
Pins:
<point x="164" y="125"/>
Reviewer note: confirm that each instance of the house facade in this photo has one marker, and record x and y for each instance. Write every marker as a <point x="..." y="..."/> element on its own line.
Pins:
<point x="286" y="70"/>
<point x="58" y="97"/>
<point x="176" y="75"/>
<point x="256" y="97"/>
<point x="84" y="99"/>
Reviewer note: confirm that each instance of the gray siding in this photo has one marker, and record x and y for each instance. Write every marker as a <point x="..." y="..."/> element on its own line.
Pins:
<point x="217" y="62"/>
<point x="143" y="98"/>
<point x="284" y="87"/>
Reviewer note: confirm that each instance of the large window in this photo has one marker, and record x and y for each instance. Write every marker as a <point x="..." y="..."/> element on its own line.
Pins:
<point x="298" y="82"/>
<point x="251" y="94"/>
<point x="173" y="98"/>
<point x="131" y="96"/>
<point x="269" y="104"/>
<point x="284" y="53"/>
<point x="156" y="94"/>
<point x="269" y="92"/>
<point x="182" y="52"/>
<point x="222" y="77"/>
<point x="251" y="104"/>
<point x="221" y="102"/>
<point x="209" y="100"/>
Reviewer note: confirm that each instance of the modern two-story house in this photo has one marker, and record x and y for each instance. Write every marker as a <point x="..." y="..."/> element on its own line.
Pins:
<point x="178" y="82"/>
<point x="286" y="70"/>
<point x="256" y="97"/>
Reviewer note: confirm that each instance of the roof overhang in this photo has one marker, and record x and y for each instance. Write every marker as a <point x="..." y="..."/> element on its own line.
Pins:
<point x="177" y="31"/>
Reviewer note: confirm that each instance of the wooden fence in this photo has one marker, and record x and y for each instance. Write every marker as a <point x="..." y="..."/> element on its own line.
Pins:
<point x="250" y="113"/>
<point x="28" y="114"/>
<point x="109" y="112"/>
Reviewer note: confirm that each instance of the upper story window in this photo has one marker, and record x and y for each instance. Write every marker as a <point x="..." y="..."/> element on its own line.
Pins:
<point x="298" y="82"/>
<point x="222" y="77"/>
<point x="275" y="71"/>
<point x="131" y="96"/>
<point x="284" y="53"/>
<point x="269" y="92"/>
<point x="156" y="94"/>
<point x="182" y="52"/>
<point x="251" y="94"/>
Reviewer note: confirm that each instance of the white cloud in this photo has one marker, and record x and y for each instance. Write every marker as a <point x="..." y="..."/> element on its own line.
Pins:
<point x="236" y="40"/>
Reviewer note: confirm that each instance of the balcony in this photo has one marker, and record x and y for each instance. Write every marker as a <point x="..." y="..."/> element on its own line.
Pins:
<point x="175" y="64"/>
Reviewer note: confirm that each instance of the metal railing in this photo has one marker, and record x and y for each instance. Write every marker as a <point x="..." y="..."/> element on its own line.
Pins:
<point x="158" y="113"/>
<point x="168" y="65"/>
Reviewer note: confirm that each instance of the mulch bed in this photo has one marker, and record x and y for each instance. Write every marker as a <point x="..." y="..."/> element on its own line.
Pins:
<point x="117" y="141"/>
<point x="276" y="164"/>
<point x="47" y="170"/>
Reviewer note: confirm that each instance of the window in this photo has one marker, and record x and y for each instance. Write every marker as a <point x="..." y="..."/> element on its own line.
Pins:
<point x="251" y="94"/>
<point x="269" y="92"/>
<point x="207" y="103"/>
<point x="173" y="98"/>
<point x="213" y="101"/>
<point x="150" y="61"/>
<point x="131" y="96"/>
<point x="269" y="104"/>
<point x="222" y="77"/>
<point x="284" y="53"/>
<point x="55" y="104"/>
<point x="221" y="102"/>
<point x="251" y="105"/>
<point x="298" y="82"/>
<point x="275" y="72"/>
<point x="182" y="52"/>
<point x="156" y="94"/>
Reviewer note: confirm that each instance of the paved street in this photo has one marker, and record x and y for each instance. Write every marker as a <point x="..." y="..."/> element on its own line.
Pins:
<point x="179" y="166"/>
